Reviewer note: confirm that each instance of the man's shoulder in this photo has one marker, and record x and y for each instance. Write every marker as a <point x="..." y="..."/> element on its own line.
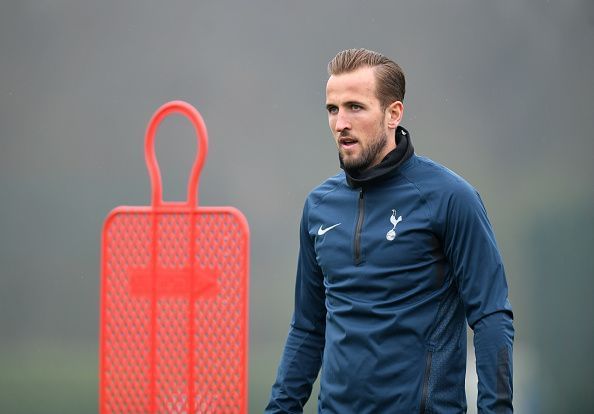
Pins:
<point x="329" y="185"/>
<point x="433" y="179"/>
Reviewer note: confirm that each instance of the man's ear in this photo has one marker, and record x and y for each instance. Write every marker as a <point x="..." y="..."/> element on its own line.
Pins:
<point x="394" y="114"/>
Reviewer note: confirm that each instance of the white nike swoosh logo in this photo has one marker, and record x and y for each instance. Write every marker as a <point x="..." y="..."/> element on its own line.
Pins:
<point x="322" y="231"/>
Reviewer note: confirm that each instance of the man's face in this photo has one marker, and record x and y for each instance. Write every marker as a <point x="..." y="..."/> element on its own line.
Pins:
<point x="360" y="127"/>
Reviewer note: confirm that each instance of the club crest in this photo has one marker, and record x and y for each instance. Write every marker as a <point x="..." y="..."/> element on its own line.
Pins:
<point x="391" y="235"/>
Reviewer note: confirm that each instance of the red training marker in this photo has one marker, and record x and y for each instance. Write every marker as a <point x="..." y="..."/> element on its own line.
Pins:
<point x="174" y="299"/>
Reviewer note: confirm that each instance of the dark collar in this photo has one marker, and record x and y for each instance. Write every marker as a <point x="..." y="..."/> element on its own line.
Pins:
<point x="388" y="166"/>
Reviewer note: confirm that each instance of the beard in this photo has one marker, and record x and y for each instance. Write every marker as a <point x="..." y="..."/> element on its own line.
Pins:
<point x="369" y="154"/>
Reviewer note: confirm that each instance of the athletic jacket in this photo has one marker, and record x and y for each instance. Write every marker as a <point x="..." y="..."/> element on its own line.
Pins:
<point x="392" y="265"/>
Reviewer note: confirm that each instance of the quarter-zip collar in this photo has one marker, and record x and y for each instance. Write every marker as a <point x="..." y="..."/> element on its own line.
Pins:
<point x="388" y="166"/>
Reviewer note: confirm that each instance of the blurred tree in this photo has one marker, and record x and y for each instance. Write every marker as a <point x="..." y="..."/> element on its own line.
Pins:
<point x="560" y="248"/>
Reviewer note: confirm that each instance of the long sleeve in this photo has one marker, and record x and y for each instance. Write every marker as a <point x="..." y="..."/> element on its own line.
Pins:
<point x="493" y="344"/>
<point x="470" y="246"/>
<point x="302" y="355"/>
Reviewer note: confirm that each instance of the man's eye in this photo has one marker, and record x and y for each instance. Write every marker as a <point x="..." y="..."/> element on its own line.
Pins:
<point x="332" y="110"/>
<point x="355" y="107"/>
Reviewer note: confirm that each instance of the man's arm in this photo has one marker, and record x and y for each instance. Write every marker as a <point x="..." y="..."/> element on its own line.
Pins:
<point x="493" y="343"/>
<point x="302" y="355"/>
<point x="471" y="248"/>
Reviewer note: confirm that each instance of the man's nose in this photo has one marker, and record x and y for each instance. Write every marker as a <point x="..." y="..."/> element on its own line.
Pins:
<point x="342" y="123"/>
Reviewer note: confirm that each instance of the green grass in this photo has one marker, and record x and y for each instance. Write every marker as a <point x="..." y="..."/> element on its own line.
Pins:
<point x="48" y="378"/>
<point x="62" y="378"/>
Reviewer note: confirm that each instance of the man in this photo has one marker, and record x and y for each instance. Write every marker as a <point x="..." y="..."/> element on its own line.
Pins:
<point x="396" y="255"/>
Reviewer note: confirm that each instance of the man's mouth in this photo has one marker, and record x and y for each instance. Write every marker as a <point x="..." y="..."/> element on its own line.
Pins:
<point x="347" y="142"/>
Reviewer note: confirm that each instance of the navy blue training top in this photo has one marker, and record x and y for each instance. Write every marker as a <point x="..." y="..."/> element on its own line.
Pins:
<point x="390" y="271"/>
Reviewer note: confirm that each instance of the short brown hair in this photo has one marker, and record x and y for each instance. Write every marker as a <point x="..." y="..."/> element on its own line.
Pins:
<point x="388" y="75"/>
